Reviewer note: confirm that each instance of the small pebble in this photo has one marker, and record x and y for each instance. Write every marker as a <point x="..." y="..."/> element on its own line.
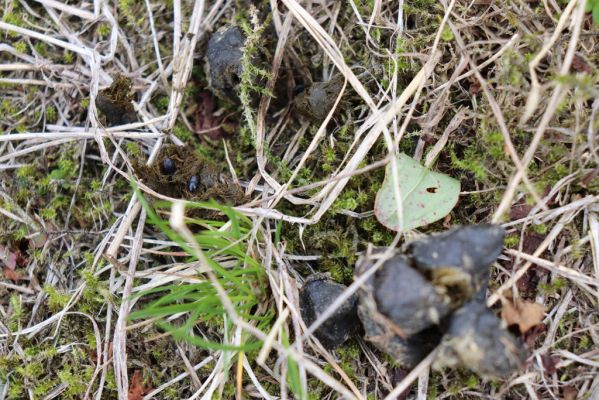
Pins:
<point x="168" y="166"/>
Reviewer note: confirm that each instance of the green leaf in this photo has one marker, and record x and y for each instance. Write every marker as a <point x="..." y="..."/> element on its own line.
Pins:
<point x="426" y="196"/>
<point x="57" y="174"/>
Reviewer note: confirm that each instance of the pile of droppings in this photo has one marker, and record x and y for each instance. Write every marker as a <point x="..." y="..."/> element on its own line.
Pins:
<point x="224" y="69"/>
<point x="116" y="102"/>
<point x="317" y="294"/>
<point x="431" y="294"/>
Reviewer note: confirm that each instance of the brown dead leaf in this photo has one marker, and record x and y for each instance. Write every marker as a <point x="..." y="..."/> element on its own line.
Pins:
<point x="588" y="178"/>
<point x="8" y="257"/>
<point x="524" y="314"/>
<point x="137" y="390"/>
<point x="549" y="363"/>
<point x="12" y="274"/>
<point x="569" y="392"/>
<point x="533" y="334"/>
<point x="206" y="122"/>
<point x="475" y="87"/>
<point x="580" y="65"/>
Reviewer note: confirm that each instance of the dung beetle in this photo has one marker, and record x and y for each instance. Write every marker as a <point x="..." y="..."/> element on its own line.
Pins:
<point x="193" y="183"/>
<point x="168" y="166"/>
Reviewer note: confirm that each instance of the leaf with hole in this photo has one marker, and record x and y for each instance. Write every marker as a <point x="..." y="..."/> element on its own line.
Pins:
<point x="426" y="196"/>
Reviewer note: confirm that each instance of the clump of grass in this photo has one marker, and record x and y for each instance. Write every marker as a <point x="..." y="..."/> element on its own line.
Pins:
<point x="241" y="277"/>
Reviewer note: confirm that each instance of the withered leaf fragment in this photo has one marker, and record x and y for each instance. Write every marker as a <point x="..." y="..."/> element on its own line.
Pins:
<point x="316" y="296"/>
<point x="524" y="314"/>
<point x="479" y="340"/>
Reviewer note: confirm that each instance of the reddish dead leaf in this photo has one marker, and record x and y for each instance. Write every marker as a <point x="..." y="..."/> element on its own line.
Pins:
<point x="527" y="284"/>
<point x="524" y="314"/>
<point x="11" y="274"/>
<point x="475" y="88"/>
<point x="569" y="392"/>
<point x="8" y="257"/>
<point x="588" y="178"/>
<point x="519" y="210"/>
<point x="137" y="390"/>
<point x="580" y="65"/>
<point x="549" y="363"/>
<point x="22" y="260"/>
<point x="533" y="333"/>
<point x="428" y="139"/>
<point x="206" y="123"/>
<point x="447" y="221"/>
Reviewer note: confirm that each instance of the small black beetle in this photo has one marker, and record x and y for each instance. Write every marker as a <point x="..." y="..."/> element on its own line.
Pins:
<point x="168" y="166"/>
<point x="193" y="183"/>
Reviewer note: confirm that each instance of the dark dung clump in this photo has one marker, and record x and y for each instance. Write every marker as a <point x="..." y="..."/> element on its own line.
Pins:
<point x="316" y="296"/>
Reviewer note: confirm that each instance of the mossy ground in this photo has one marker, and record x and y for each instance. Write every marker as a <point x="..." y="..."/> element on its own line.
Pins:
<point x="62" y="202"/>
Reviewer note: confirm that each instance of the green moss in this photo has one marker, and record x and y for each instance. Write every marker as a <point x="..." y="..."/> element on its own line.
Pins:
<point x="252" y="76"/>
<point x="21" y="47"/>
<point x="68" y="57"/>
<point x="471" y="162"/>
<point x="16" y="391"/>
<point x="539" y="228"/>
<point x="13" y="18"/>
<point x="56" y="301"/>
<point x="41" y="48"/>
<point x="472" y="382"/>
<point x="162" y="103"/>
<point x="31" y="370"/>
<point x="125" y="7"/>
<point x="133" y="149"/>
<point x="95" y="293"/>
<point x="44" y="387"/>
<point x="553" y="287"/>
<point x="447" y="34"/>
<point x="181" y="131"/>
<point x="511" y="241"/>
<point x="8" y="107"/>
<point x="51" y="114"/>
<point x="17" y="315"/>
<point x="76" y="384"/>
